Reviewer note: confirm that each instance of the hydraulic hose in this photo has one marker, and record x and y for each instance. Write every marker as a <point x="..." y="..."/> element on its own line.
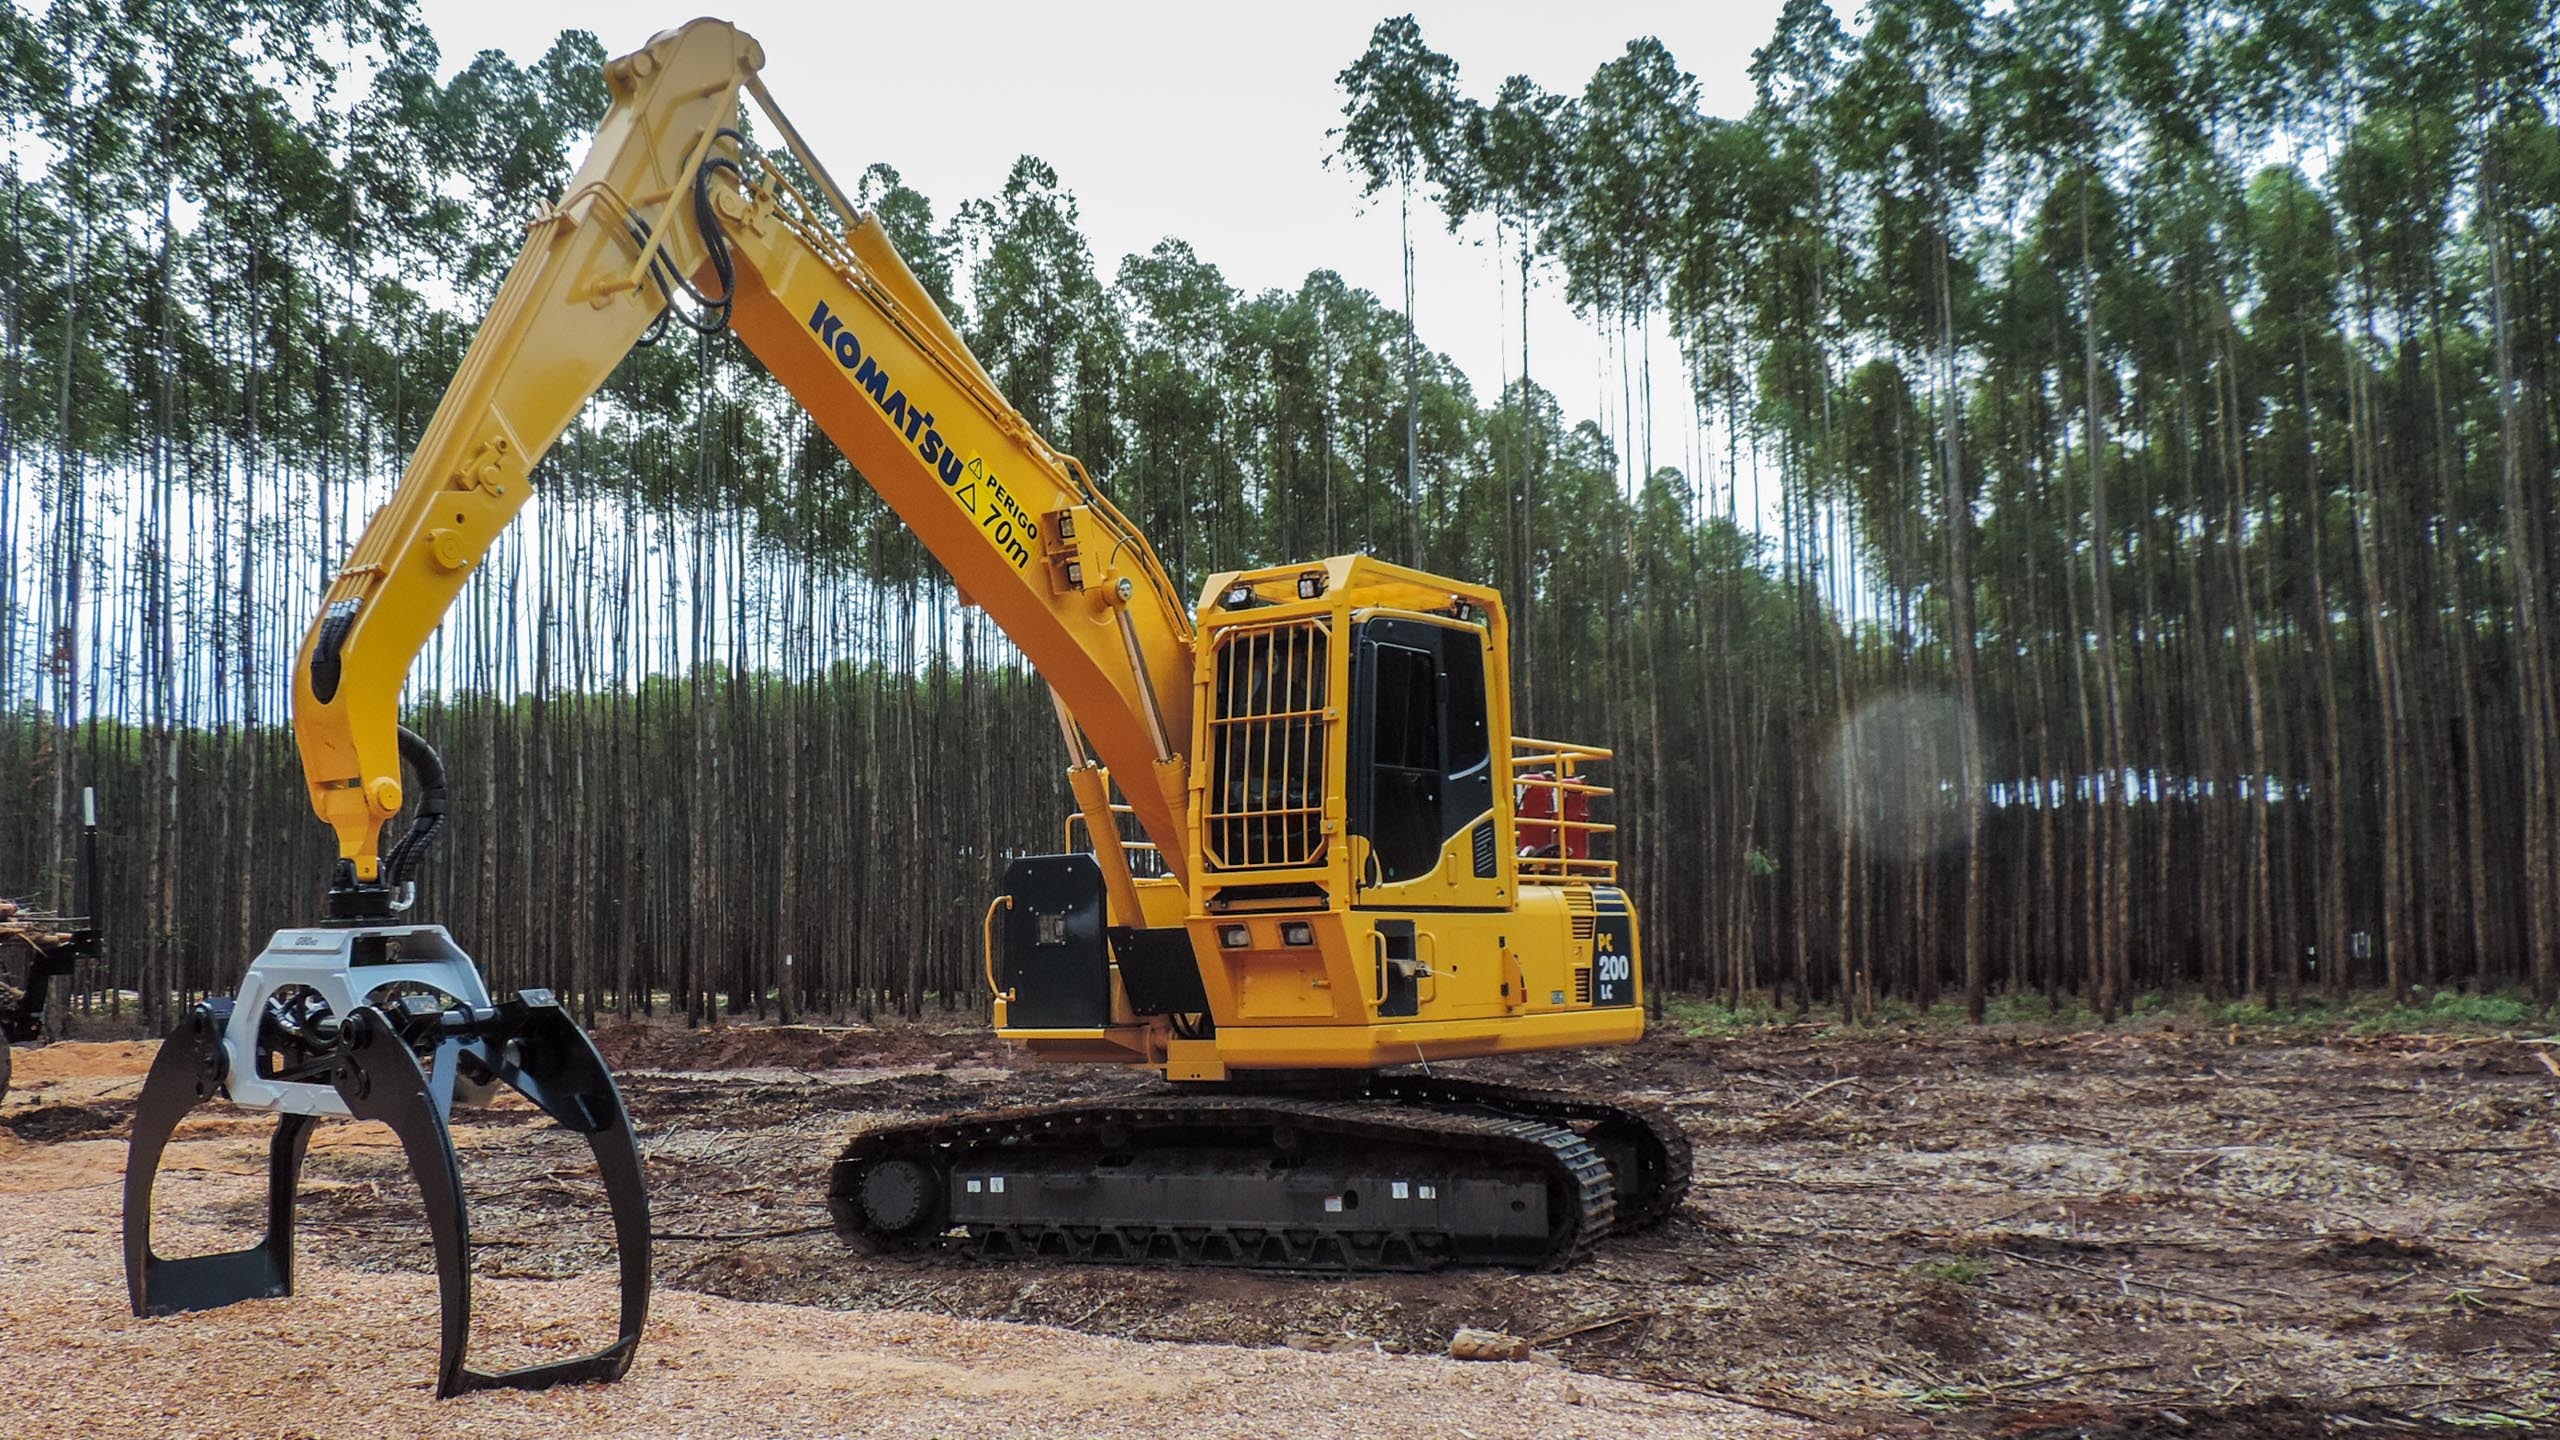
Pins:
<point x="401" y="865"/>
<point x="713" y="310"/>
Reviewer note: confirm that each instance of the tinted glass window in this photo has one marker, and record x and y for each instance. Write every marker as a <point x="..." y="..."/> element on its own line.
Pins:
<point x="1469" y="741"/>
<point x="1408" y="709"/>
<point x="1402" y="818"/>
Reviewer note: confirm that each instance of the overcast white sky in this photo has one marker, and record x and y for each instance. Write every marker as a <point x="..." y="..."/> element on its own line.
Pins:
<point x="1203" y="121"/>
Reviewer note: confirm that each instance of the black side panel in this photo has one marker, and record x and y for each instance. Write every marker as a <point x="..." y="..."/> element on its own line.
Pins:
<point x="1049" y="944"/>
<point x="1613" y="949"/>
<point x="1159" y="970"/>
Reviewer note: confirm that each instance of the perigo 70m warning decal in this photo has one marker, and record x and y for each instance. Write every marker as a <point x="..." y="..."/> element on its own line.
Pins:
<point x="970" y="484"/>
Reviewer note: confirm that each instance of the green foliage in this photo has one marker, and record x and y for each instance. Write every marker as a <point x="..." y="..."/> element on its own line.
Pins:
<point x="1692" y="1015"/>
<point x="1960" y="1270"/>
<point x="2445" y="1012"/>
<point x="2450" y="1010"/>
<point x="1403" y="102"/>
<point x="2029" y="1010"/>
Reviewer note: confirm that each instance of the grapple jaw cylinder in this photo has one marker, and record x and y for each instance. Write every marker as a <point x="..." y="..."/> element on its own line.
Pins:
<point x="386" y="1023"/>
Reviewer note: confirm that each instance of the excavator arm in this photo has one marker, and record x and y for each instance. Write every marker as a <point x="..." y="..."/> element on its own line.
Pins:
<point x="671" y="199"/>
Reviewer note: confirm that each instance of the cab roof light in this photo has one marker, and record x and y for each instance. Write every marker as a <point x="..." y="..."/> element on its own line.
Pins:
<point x="1311" y="585"/>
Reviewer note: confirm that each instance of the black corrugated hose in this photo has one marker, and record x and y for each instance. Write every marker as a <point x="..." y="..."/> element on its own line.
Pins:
<point x="401" y="865"/>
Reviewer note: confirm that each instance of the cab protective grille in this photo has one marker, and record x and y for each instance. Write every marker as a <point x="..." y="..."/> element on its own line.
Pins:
<point x="1268" y="735"/>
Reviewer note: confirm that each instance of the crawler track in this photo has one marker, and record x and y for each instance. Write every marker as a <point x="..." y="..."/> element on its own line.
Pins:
<point x="1410" y="1173"/>
<point x="1644" y="1146"/>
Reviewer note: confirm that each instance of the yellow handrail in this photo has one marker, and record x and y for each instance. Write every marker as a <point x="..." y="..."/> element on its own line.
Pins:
<point x="1555" y="768"/>
<point x="1075" y="821"/>
<point x="1001" y="902"/>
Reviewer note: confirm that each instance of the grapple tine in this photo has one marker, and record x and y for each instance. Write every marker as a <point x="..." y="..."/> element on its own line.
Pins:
<point x="381" y="1080"/>
<point x="553" y="1063"/>
<point x="188" y="1071"/>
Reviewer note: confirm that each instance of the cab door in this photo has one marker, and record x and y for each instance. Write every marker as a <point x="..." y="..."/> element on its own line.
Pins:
<point x="1421" y="767"/>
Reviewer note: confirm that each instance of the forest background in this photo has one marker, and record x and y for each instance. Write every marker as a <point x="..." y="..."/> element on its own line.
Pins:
<point x="2121" y="560"/>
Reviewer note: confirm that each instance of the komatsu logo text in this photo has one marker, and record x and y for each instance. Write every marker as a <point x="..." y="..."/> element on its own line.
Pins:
<point x="998" y="514"/>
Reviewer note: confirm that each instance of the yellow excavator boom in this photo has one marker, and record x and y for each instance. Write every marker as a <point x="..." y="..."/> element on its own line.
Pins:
<point x="669" y="194"/>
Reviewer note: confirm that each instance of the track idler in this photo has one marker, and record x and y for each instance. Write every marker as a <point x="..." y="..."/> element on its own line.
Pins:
<point x="387" y="1024"/>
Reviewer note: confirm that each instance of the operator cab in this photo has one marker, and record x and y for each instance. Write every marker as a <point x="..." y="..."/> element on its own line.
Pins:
<point x="1355" y="855"/>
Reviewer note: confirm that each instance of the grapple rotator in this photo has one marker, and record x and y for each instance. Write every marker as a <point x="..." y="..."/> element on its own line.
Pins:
<point x="387" y="1023"/>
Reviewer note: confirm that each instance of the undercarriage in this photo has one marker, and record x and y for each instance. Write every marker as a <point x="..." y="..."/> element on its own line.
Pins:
<point x="1392" y="1172"/>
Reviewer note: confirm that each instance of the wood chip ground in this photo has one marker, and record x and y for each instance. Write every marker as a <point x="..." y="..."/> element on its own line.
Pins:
<point x="351" y="1355"/>
<point x="2120" y="1236"/>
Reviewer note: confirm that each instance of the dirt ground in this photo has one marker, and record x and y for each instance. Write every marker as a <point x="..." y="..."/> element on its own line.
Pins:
<point x="2018" y="1235"/>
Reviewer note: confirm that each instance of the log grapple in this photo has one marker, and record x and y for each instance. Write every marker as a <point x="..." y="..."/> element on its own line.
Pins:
<point x="54" y="946"/>
<point x="390" y="1023"/>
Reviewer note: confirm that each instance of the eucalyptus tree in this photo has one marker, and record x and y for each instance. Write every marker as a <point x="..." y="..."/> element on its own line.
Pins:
<point x="2395" y="178"/>
<point x="90" y="100"/>
<point x="1040" y="318"/>
<point x="1625" y="210"/>
<point x="2511" y="58"/>
<point x="1399" y="129"/>
<point x="1911" y="112"/>
<point x="2208" y="851"/>
<point x="510" y="132"/>
<point x="906" y="217"/>
<point x="1183" y="477"/>
<point x="2292" y="237"/>
<point x="932" y="251"/>
<point x="1514" y="151"/>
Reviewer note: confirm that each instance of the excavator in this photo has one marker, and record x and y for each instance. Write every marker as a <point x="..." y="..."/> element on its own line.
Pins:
<point x="1309" y="857"/>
